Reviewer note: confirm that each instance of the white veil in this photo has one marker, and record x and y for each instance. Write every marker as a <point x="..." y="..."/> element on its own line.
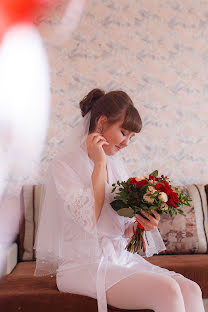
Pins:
<point x="68" y="235"/>
<point x="67" y="206"/>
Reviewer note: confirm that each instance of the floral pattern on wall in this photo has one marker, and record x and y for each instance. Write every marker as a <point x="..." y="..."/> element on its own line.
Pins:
<point x="157" y="52"/>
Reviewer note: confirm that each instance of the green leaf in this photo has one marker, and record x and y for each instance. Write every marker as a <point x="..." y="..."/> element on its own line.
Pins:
<point x="126" y="212"/>
<point x="181" y="212"/>
<point x="154" y="173"/>
<point x="153" y="207"/>
<point x="117" y="204"/>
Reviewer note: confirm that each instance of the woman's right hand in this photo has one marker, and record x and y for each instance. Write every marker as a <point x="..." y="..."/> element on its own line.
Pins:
<point x="95" y="142"/>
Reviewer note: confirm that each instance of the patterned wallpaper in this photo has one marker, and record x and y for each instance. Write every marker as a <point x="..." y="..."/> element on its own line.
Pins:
<point x="157" y="52"/>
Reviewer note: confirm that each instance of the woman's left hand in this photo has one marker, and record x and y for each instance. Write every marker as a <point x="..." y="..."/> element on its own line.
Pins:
<point x="152" y="223"/>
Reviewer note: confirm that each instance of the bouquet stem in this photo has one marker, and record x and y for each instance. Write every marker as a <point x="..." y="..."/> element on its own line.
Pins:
<point x="137" y="242"/>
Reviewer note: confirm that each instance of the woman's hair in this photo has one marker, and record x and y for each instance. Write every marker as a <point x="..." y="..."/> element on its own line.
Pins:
<point x="115" y="105"/>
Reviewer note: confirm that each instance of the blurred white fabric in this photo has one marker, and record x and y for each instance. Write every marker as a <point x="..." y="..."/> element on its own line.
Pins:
<point x="24" y="102"/>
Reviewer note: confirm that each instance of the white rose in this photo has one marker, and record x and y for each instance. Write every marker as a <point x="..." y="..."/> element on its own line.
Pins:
<point x="148" y="199"/>
<point x="139" y="178"/>
<point x="150" y="189"/>
<point x="164" y="207"/>
<point x="163" y="196"/>
<point x="146" y="176"/>
<point x="151" y="181"/>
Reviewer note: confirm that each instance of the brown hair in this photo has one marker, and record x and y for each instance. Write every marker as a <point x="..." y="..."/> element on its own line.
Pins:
<point x="115" y="105"/>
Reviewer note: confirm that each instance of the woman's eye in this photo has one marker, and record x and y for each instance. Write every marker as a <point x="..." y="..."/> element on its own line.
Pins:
<point x="123" y="133"/>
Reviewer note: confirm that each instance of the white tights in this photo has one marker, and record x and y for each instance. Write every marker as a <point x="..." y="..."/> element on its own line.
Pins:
<point x="159" y="292"/>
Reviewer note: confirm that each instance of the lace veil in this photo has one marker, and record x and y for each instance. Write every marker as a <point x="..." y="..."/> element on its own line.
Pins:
<point x="68" y="187"/>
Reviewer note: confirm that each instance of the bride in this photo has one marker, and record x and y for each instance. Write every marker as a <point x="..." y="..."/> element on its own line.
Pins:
<point x="82" y="239"/>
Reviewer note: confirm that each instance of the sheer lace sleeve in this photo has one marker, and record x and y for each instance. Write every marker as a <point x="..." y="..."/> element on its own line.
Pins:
<point x="128" y="221"/>
<point x="77" y="197"/>
<point x="153" y="239"/>
<point x="154" y="242"/>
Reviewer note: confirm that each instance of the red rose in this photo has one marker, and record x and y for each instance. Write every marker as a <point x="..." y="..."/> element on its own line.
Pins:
<point x="141" y="183"/>
<point x="132" y="180"/>
<point x="159" y="187"/>
<point x="167" y="185"/>
<point x="169" y="191"/>
<point x="175" y="197"/>
<point x="163" y="187"/>
<point x="172" y="199"/>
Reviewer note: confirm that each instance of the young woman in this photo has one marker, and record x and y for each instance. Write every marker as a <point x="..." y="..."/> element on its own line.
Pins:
<point x="82" y="239"/>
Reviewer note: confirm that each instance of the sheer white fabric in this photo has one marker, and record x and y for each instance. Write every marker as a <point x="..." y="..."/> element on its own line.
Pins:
<point x="68" y="236"/>
<point x="68" y="177"/>
<point x="79" y="201"/>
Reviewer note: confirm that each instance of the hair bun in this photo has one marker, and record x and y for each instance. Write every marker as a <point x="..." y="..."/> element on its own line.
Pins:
<point x="89" y="100"/>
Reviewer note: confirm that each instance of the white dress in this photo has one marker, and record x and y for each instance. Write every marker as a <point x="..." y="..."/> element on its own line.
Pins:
<point x="93" y="276"/>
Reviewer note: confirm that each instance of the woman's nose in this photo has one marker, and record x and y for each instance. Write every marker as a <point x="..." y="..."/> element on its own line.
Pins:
<point x="125" y="142"/>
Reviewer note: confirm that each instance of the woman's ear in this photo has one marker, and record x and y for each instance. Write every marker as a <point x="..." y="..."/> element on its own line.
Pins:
<point x="101" y="121"/>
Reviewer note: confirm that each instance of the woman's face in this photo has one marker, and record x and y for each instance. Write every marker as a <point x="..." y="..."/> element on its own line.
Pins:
<point x="117" y="138"/>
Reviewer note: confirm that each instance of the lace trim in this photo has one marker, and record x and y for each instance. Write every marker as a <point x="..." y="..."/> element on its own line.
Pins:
<point x="154" y="242"/>
<point x="46" y="264"/>
<point x="79" y="206"/>
<point x="50" y="264"/>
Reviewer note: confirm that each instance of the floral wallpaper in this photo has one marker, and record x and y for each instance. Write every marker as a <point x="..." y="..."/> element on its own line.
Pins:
<point x="157" y="52"/>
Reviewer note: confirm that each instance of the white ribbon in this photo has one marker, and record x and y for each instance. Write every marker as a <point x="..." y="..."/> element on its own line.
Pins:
<point x="108" y="251"/>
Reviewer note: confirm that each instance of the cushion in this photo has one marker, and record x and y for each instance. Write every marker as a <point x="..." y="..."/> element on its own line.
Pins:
<point x="189" y="234"/>
<point x="30" y="200"/>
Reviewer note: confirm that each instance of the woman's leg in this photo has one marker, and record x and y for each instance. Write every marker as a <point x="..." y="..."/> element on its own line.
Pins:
<point x="192" y="294"/>
<point x="147" y="290"/>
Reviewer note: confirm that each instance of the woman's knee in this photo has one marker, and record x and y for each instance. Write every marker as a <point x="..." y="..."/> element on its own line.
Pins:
<point x="192" y="288"/>
<point x="171" y="287"/>
<point x="132" y="292"/>
<point x="196" y="289"/>
<point x="188" y="286"/>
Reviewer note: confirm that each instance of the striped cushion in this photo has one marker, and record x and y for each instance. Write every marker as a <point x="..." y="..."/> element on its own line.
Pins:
<point x="30" y="199"/>
<point x="185" y="235"/>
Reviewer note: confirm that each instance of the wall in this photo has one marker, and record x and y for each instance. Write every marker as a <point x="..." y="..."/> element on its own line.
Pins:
<point x="157" y="52"/>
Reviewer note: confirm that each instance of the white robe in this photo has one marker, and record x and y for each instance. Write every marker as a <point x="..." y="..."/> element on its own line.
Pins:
<point x="85" y="269"/>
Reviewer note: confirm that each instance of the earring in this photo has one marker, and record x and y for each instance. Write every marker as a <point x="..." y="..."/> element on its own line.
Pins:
<point x="100" y="130"/>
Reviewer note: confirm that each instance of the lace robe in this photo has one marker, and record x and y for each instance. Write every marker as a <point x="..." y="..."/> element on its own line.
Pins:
<point x="94" y="258"/>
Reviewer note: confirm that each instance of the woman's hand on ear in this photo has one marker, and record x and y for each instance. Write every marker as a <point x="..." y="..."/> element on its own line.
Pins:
<point x="95" y="142"/>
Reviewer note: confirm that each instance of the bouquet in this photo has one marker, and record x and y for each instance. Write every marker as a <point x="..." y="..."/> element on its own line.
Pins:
<point x="149" y="192"/>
